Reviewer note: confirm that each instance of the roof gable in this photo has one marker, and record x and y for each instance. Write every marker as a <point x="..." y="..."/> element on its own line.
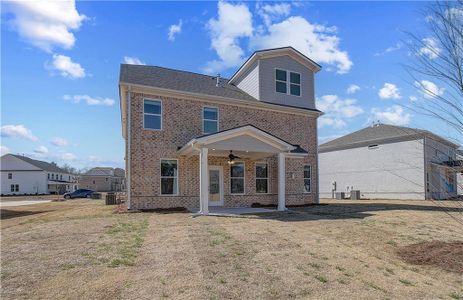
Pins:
<point x="268" y="53"/>
<point x="42" y="165"/>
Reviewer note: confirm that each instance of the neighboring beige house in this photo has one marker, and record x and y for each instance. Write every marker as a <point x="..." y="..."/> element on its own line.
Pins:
<point x="195" y="140"/>
<point x="21" y="175"/>
<point x="102" y="179"/>
<point x="389" y="162"/>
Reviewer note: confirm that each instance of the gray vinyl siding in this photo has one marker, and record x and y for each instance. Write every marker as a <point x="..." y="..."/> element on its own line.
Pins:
<point x="249" y="81"/>
<point x="392" y="171"/>
<point x="267" y="93"/>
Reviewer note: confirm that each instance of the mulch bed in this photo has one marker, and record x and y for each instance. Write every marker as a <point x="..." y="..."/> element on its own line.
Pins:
<point x="445" y="255"/>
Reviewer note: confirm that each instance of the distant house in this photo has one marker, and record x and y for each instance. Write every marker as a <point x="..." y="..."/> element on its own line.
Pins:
<point x="389" y="162"/>
<point x="460" y="173"/>
<point x="21" y="175"/>
<point x="103" y="180"/>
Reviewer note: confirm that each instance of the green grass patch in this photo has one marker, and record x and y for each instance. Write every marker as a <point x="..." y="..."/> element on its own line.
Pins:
<point x="321" y="279"/>
<point x="392" y="243"/>
<point x="406" y="282"/>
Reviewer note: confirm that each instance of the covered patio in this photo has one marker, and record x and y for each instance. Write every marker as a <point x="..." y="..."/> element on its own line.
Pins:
<point x="245" y="142"/>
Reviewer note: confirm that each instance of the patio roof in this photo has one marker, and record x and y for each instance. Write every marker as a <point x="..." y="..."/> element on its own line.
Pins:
<point x="245" y="141"/>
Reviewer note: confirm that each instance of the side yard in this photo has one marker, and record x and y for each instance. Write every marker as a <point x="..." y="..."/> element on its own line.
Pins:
<point x="344" y="249"/>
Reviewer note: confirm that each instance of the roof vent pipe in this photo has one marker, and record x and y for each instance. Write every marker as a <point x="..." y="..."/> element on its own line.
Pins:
<point x="217" y="82"/>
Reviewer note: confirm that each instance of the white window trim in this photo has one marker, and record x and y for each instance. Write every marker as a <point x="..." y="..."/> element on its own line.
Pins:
<point x="304" y="178"/>
<point x="267" y="178"/>
<point x="244" y="179"/>
<point x="150" y="114"/>
<point x="160" y="178"/>
<point x="288" y="82"/>
<point x="204" y="119"/>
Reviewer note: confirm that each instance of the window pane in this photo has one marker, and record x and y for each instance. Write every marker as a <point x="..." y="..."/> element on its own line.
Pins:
<point x="281" y="87"/>
<point x="12" y="188"/>
<point x="237" y="186"/>
<point x="307" y="185"/>
<point x="237" y="170"/>
<point x="152" y="122"/>
<point x="261" y="171"/>
<point x="210" y="113"/>
<point x="280" y="75"/>
<point x="295" y="90"/>
<point x="306" y="171"/>
<point x="295" y="78"/>
<point x="261" y="185"/>
<point x="169" y="168"/>
<point x="168" y="186"/>
<point x="152" y="107"/>
<point x="210" y="126"/>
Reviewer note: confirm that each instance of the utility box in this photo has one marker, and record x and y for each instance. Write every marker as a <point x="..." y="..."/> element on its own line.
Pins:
<point x="340" y="195"/>
<point x="355" y="194"/>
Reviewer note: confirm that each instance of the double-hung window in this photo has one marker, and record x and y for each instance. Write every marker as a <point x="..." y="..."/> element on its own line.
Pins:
<point x="152" y="114"/>
<point x="281" y="81"/>
<point x="261" y="178"/>
<point x="14" y="188"/>
<point x="210" y="120"/>
<point x="169" y="177"/>
<point x="307" y="178"/>
<point x="10" y="175"/>
<point x="237" y="178"/>
<point x="282" y="85"/>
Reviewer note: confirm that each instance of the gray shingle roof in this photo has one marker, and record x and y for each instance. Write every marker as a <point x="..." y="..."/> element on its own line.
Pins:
<point x="41" y="164"/>
<point x="180" y="81"/>
<point x="377" y="134"/>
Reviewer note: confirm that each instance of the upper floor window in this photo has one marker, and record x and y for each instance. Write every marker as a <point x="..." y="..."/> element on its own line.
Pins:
<point x="210" y="120"/>
<point x="282" y="85"/>
<point x="10" y="175"/>
<point x="61" y="177"/>
<point x="152" y="114"/>
<point x="307" y="178"/>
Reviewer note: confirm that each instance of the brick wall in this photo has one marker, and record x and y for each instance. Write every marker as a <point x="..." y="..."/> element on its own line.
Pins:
<point x="182" y="121"/>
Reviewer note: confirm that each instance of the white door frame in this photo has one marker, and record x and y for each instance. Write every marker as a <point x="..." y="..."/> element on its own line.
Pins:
<point x="220" y="202"/>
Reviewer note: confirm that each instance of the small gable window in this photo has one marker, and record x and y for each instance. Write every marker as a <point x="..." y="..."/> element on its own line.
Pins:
<point x="10" y="176"/>
<point x="152" y="114"/>
<point x="281" y="81"/>
<point x="295" y="84"/>
<point x="210" y="120"/>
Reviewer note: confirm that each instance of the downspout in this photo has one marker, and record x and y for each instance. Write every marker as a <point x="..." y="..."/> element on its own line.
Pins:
<point x="129" y="153"/>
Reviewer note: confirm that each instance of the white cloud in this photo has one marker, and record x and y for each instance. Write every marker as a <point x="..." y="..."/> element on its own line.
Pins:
<point x="394" y="115"/>
<point x="60" y="142"/>
<point x="337" y="110"/>
<point x="17" y="131"/>
<point x="389" y="91"/>
<point x="89" y="100"/>
<point x="133" y="60"/>
<point x="233" y="22"/>
<point x="429" y="89"/>
<point x="271" y="12"/>
<point x="352" y="89"/>
<point x="68" y="156"/>
<point x="396" y="47"/>
<point x="413" y="98"/>
<point x="41" y="150"/>
<point x="46" y="24"/>
<point x="174" y="29"/>
<point x="4" y="150"/>
<point x="430" y="48"/>
<point x="66" y="67"/>
<point x="316" y="41"/>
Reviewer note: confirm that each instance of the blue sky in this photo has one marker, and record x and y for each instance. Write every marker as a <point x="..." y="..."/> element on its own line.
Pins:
<point x="60" y="64"/>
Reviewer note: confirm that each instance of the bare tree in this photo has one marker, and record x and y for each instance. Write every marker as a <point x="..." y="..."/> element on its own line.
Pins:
<point x="438" y="62"/>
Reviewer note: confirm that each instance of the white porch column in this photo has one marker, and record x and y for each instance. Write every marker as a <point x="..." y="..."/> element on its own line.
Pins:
<point x="203" y="182"/>
<point x="281" y="182"/>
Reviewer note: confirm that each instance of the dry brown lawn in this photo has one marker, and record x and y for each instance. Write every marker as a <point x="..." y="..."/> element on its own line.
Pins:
<point x="81" y="250"/>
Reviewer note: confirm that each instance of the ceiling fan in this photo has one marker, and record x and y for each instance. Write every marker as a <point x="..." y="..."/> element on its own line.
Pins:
<point x="231" y="158"/>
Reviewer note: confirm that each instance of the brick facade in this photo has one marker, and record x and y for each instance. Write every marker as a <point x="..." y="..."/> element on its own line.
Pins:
<point x="182" y="121"/>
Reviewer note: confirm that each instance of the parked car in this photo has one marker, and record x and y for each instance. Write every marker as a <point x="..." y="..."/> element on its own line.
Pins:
<point x="81" y="193"/>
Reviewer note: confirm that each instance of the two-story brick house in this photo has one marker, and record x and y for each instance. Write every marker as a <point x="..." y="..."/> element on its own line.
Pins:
<point x="194" y="140"/>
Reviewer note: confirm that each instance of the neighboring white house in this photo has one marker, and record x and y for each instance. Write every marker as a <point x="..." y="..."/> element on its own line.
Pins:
<point x="460" y="172"/>
<point x="389" y="162"/>
<point x="22" y="175"/>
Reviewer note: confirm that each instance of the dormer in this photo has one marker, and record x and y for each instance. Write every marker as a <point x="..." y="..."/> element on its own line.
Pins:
<point x="282" y="76"/>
